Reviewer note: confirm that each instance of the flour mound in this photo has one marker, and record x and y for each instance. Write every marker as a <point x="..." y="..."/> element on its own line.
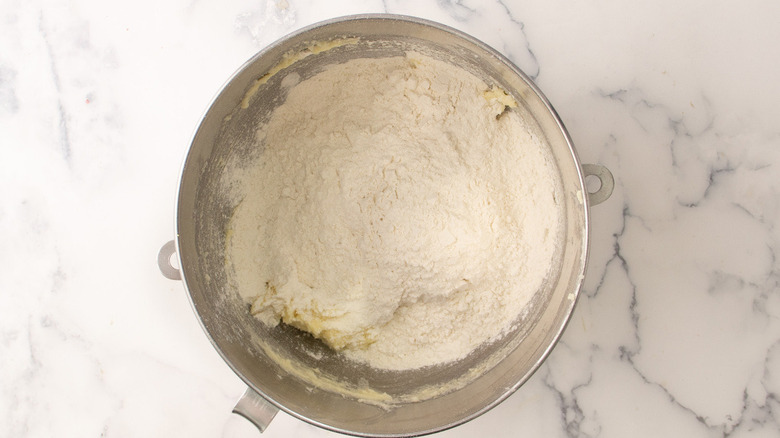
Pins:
<point x="400" y="211"/>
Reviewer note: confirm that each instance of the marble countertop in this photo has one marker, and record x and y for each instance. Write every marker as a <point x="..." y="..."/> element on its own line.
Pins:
<point x="676" y="333"/>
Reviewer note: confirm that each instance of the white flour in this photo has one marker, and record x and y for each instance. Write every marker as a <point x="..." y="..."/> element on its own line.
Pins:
<point x="393" y="214"/>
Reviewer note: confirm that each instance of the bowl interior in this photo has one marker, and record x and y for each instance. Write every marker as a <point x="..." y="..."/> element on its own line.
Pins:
<point x="291" y="368"/>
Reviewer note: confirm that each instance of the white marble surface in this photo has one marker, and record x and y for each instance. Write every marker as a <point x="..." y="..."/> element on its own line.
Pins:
<point x="677" y="332"/>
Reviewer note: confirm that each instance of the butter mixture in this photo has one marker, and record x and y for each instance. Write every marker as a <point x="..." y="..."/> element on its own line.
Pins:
<point x="400" y="210"/>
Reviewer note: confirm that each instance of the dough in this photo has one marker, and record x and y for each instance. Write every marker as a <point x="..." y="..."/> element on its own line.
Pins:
<point x="401" y="211"/>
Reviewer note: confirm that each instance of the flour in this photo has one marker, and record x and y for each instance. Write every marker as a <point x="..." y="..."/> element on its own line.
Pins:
<point x="400" y="211"/>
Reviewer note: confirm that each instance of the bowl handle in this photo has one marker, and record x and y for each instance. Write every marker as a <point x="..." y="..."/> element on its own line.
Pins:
<point x="607" y="182"/>
<point x="164" y="261"/>
<point x="256" y="409"/>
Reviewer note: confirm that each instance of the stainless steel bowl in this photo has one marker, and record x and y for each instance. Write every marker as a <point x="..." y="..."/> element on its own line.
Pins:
<point x="290" y="370"/>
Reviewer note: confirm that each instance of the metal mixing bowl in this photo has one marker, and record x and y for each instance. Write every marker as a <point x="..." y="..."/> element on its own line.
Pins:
<point x="290" y="370"/>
